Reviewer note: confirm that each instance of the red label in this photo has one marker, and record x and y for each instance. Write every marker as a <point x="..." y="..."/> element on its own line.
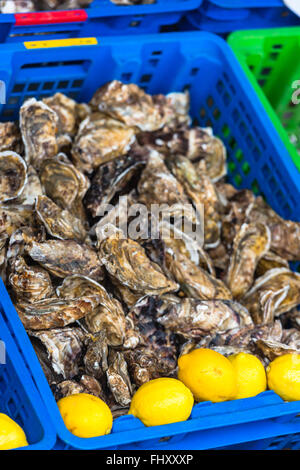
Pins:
<point x="50" y="17"/>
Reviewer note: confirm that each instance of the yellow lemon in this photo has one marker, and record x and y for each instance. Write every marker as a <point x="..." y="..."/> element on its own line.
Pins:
<point x="162" y="401"/>
<point x="209" y="375"/>
<point x="85" y="415"/>
<point x="283" y="376"/>
<point x="250" y="373"/>
<point x="12" y="435"/>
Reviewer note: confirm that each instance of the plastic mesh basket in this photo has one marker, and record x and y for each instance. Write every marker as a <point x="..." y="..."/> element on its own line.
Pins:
<point x="102" y="17"/>
<point x="224" y="16"/>
<point x="221" y="97"/>
<point x="268" y="59"/>
<point x="19" y="398"/>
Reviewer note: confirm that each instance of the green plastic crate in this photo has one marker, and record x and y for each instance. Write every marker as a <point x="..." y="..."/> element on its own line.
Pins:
<point x="270" y="59"/>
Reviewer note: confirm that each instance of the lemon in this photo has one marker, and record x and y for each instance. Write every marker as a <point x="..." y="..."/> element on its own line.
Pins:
<point x="251" y="375"/>
<point x="162" y="401"/>
<point x="85" y="415"/>
<point x="209" y="375"/>
<point x="11" y="434"/>
<point x="283" y="376"/>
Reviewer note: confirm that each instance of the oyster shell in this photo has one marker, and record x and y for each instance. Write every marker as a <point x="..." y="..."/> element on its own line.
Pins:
<point x="157" y="185"/>
<point x="250" y="244"/>
<point x="64" y="184"/>
<point x="128" y="104"/>
<point x="118" y="379"/>
<point x="107" y="316"/>
<point x="10" y="137"/>
<point x="65" y="257"/>
<point x="30" y="283"/>
<point x="96" y="357"/>
<point x="65" y="108"/>
<point x="64" y="348"/>
<point x="59" y="223"/>
<point x="270" y="261"/>
<point x="12" y="217"/>
<point x="109" y="179"/>
<point x="272" y="294"/>
<point x="99" y="140"/>
<point x="38" y="124"/>
<point x="126" y="261"/>
<point x="194" y="318"/>
<point x="17" y="6"/>
<point x="13" y="175"/>
<point x="32" y="188"/>
<point x="53" y="312"/>
<point x="285" y="234"/>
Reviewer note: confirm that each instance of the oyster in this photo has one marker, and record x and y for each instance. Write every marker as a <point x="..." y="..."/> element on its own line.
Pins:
<point x="64" y="348"/>
<point x="30" y="283"/>
<point x="99" y="140"/>
<point x="250" y="244"/>
<point x="64" y="184"/>
<point x="118" y="379"/>
<point x="12" y="217"/>
<point x="65" y="257"/>
<point x="157" y="185"/>
<point x="194" y="318"/>
<point x="32" y="188"/>
<point x="65" y="108"/>
<point x="109" y="179"/>
<point x="126" y="261"/>
<point x="38" y="124"/>
<point x="202" y="192"/>
<point x="59" y="223"/>
<point x="285" y="234"/>
<point x="128" y="104"/>
<point x="67" y="388"/>
<point x="107" y="316"/>
<point x="17" y="6"/>
<point x="13" y="175"/>
<point x="53" y="312"/>
<point x="272" y="294"/>
<point x="10" y="137"/>
<point x="96" y="357"/>
<point x="193" y="280"/>
<point x="270" y="261"/>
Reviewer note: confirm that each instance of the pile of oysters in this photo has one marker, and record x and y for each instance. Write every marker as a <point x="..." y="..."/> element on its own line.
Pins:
<point x="25" y="6"/>
<point x="107" y="312"/>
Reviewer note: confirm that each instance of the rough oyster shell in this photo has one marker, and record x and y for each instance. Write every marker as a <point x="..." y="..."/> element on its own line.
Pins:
<point x="64" y="184"/>
<point x="272" y="294"/>
<point x="99" y="140"/>
<point x="194" y="318"/>
<point x="59" y="223"/>
<point x="128" y="104"/>
<point x="251" y="243"/>
<point x="38" y="124"/>
<point x="109" y="179"/>
<point x="30" y="283"/>
<point x="64" y="348"/>
<point x="118" y="379"/>
<point x="10" y="137"/>
<point x="13" y="175"/>
<point x="126" y="261"/>
<point x="65" y="257"/>
<point x="52" y="312"/>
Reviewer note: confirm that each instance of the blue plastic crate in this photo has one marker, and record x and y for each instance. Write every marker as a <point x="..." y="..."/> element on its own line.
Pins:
<point x="224" y="16"/>
<point x="19" y="398"/>
<point x="221" y="97"/>
<point x="102" y="17"/>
